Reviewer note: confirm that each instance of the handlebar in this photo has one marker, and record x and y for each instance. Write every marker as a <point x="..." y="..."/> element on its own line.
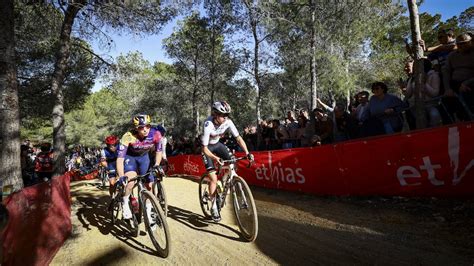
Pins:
<point x="232" y="161"/>
<point x="144" y="176"/>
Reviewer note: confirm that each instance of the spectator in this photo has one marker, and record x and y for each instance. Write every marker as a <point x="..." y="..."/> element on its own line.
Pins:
<point x="346" y="125"/>
<point x="282" y="135"/>
<point x="301" y="139"/>
<point x="459" y="79"/>
<point x="363" y="100"/>
<point x="323" y="128"/>
<point x="44" y="163"/>
<point x="439" y="53"/>
<point x="292" y="127"/>
<point x="384" y="112"/>
<point x="27" y="167"/>
<point x="304" y="112"/>
<point x="409" y="115"/>
<point x="427" y="94"/>
<point x="250" y="137"/>
<point x="267" y="134"/>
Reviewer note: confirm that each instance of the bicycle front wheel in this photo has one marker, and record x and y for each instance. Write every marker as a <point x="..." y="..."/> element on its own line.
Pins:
<point x="244" y="208"/>
<point x="134" y="221"/>
<point x="115" y="207"/>
<point x="204" y="196"/>
<point x="159" y="191"/>
<point x="156" y="224"/>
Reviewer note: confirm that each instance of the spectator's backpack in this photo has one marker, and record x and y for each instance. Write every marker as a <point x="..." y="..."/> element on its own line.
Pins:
<point x="44" y="162"/>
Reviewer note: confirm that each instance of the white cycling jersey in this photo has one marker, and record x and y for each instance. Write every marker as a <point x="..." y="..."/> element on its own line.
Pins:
<point x="212" y="132"/>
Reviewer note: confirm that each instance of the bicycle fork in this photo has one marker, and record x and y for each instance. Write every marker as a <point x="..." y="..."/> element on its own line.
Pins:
<point x="242" y="204"/>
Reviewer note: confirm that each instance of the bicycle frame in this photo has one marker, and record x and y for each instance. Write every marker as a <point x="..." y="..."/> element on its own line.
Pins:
<point x="229" y="166"/>
<point x="139" y="183"/>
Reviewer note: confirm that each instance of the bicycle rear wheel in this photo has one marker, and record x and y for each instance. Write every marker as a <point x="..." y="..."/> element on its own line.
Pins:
<point x="160" y="194"/>
<point x="244" y="208"/>
<point x="155" y="223"/>
<point x="204" y="197"/>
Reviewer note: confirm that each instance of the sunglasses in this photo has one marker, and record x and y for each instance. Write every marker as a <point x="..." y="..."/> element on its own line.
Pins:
<point x="143" y="127"/>
<point x="223" y="115"/>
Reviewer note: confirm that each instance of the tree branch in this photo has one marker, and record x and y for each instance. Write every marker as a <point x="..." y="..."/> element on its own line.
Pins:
<point x="92" y="53"/>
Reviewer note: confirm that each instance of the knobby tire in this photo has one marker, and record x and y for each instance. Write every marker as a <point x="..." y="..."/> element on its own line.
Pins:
<point x="163" y="250"/>
<point x="249" y="230"/>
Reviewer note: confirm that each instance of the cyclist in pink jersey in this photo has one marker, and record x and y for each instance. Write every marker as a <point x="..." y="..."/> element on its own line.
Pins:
<point x="133" y="155"/>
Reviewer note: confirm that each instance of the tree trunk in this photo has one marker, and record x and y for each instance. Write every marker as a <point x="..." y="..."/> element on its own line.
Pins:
<point x="258" y="103"/>
<point x="10" y="168"/>
<point x="195" y="113"/>
<point x="418" y="67"/>
<point x="213" y="59"/>
<point x="59" y="135"/>
<point x="253" y="24"/>
<point x="314" y="93"/>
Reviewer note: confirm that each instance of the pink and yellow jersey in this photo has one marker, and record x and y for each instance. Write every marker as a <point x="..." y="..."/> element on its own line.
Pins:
<point x="131" y="145"/>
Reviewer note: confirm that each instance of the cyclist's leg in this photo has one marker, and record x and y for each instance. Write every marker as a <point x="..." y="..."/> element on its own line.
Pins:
<point x="112" y="173"/>
<point x="223" y="152"/>
<point x="143" y="164"/>
<point x="130" y="169"/>
<point x="211" y="171"/>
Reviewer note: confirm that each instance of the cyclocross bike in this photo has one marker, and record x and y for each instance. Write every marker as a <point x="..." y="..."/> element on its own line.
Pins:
<point x="242" y="199"/>
<point x="155" y="222"/>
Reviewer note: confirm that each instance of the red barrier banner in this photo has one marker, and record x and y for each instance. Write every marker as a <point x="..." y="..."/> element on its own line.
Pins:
<point x="76" y="176"/>
<point x="432" y="162"/>
<point x="39" y="223"/>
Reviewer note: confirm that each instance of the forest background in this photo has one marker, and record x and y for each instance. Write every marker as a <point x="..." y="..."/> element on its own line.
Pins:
<point x="263" y="57"/>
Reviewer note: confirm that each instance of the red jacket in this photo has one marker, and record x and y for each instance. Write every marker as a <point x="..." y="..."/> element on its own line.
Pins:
<point x="44" y="162"/>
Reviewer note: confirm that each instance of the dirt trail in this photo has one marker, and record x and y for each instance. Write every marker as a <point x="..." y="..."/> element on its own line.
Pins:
<point x="293" y="229"/>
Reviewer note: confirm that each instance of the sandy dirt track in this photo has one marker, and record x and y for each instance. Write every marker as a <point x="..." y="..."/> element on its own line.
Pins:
<point x="293" y="229"/>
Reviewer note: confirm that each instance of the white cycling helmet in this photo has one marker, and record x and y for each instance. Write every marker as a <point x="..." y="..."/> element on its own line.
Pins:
<point x="221" y="107"/>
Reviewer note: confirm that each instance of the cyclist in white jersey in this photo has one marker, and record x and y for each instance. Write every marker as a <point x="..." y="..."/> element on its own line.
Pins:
<point x="215" y="127"/>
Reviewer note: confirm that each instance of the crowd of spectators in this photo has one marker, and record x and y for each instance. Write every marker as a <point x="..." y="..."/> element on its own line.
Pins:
<point x="37" y="161"/>
<point x="447" y="97"/>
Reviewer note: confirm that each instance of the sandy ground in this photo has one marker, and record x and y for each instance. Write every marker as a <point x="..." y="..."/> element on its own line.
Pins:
<point x="293" y="229"/>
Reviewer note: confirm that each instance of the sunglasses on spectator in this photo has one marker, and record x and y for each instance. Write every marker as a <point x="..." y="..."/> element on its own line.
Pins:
<point x="143" y="127"/>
